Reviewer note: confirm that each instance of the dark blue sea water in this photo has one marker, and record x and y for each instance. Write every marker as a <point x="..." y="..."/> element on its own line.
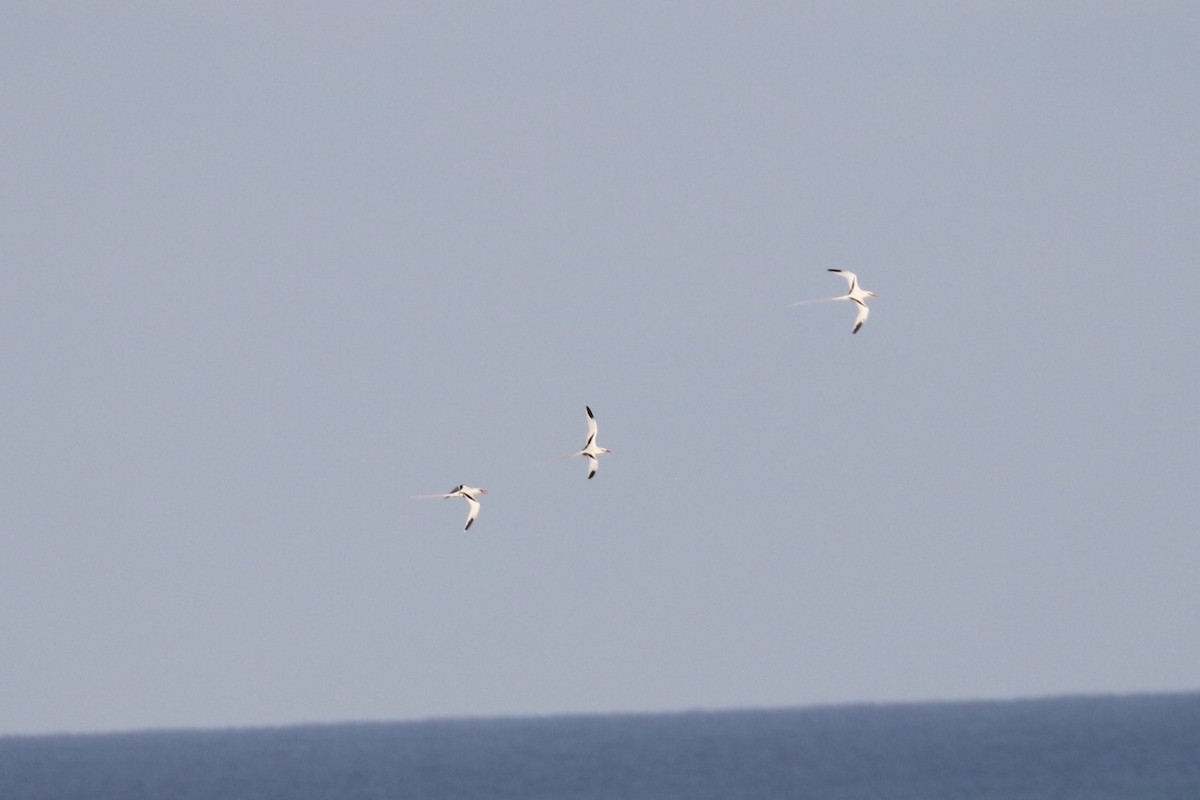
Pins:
<point x="1091" y="748"/>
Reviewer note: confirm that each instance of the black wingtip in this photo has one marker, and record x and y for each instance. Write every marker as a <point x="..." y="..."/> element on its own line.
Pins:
<point x="589" y="410"/>
<point x="831" y="269"/>
<point x="470" y="522"/>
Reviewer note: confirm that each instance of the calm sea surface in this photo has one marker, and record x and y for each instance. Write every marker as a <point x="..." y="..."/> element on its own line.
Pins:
<point x="1092" y="748"/>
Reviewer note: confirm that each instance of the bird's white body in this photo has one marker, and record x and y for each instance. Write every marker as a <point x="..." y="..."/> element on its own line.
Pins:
<point x="470" y="494"/>
<point x="592" y="451"/>
<point x="856" y="295"/>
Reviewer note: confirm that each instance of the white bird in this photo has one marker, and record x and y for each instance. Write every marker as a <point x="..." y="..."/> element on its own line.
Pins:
<point x="468" y="493"/>
<point x="591" y="450"/>
<point x="856" y="295"/>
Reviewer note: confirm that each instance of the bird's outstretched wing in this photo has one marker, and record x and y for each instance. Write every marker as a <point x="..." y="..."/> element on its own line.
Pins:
<point x="850" y="277"/>
<point x="863" y="312"/>
<point x="472" y="511"/>
<point x="592" y="428"/>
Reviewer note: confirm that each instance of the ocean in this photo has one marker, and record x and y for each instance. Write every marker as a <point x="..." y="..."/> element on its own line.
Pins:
<point x="1139" y="747"/>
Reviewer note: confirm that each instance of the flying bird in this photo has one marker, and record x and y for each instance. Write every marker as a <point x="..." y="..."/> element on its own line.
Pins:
<point x="468" y="493"/>
<point x="856" y="295"/>
<point x="590" y="449"/>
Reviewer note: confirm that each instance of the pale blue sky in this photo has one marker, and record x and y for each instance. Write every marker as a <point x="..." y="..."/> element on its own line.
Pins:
<point x="268" y="273"/>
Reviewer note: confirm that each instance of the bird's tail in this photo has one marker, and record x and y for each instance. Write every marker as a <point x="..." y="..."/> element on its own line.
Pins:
<point x="817" y="300"/>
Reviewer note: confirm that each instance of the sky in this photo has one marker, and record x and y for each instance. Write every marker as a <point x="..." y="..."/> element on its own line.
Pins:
<point x="270" y="271"/>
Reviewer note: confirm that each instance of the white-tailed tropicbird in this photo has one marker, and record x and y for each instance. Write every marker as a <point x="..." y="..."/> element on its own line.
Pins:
<point x="468" y="493"/>
<point x="591" y="450"/>
<point x="856" y="295"/>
